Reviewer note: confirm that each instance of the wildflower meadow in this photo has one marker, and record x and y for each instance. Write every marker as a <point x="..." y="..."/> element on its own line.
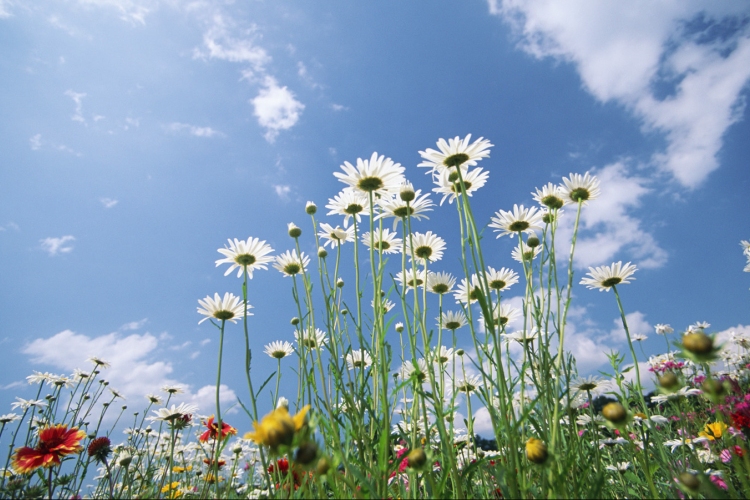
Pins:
<point x="378" y="400"/>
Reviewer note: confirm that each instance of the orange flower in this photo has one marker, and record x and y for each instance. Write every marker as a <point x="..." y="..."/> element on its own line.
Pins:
<point x="54" y="443"/>
<point x="213" y="430"/>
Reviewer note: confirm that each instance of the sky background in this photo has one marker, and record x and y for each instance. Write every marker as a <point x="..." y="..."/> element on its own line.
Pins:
<point x="137" y="136"/>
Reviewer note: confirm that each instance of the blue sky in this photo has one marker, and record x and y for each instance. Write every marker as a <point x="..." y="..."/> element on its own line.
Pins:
<point x="138" y="135"/>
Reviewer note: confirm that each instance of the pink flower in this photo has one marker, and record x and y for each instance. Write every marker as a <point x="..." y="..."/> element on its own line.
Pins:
<point x="718" y="481"/>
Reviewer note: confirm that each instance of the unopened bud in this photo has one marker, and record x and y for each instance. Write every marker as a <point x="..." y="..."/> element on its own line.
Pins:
<point x="698" y="343"/>
<point x="295" y="321"/>
<point x="311" y="208"/>
<point x="294" y="231"/>
<point x="615" y="413"/>
<point x="322" y="252"/>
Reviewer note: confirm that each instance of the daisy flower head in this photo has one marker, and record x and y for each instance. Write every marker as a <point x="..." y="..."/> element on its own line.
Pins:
<point x="383" y="240"/>
<point x="154" y="399"/>
<point x="502" y="279"/>
<point x="454" y="153"/>
<point x="313" y="339"/>
<point x="228" y="308"/>
<point x="175" y="412"/>
<point x="173" y="389"/>
<point x="449" y="184"/>
<point x="592" y="384"/>
<point x="440" y="282"/>
<point x="605" y="277"/>
<point x="414" y="278"/>
<point x="452" y="320"/>
<point x="550" y="196"/>
<point x="550" y="216"/>
<point x="525" y="253"/>
<point x="378" y="175"/>
<point x="639" y="337"/>
<point x="520" y="336"/>
<point x="8" y="418"/>
<point x="444" y="354"/>
<point x="424" y="247"/>
<point x="698" y="326"/>
<point x="468" y="384"/>
<point x="663" y="329"/>
<point x="251" y="254"/>
<point x="502" y="314"/>
<point x="55" y="442"/>
<point x="358" y="359"/>
<point x="520" y="220"/>
<point x="99" y="362"/>
<point x="580" y="188"/>
<point x="468" y="292"/>
<point x="419" y="372"/>
<point x="393" y="206"/>
<point x="745" y="247"/>
<point x="349" y="203"/>
<point x="279" y="349"/>
<point x="290" y="263"/>
<point x="311" y="208"/>
<point x="335" y="236"/>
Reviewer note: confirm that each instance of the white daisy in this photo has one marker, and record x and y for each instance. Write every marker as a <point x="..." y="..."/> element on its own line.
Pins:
<point x="583" y="188"/>
<point x="175" y="412"/>
<point x="39" y="377"/>
<point x="335" y="236"/>
<point x="550" y="196"/>
<point x="502" y="279"/>
<point x="456" y="152"/>
<point x="525" y="253"/>
<point x="592" y="384"/>
<point x="313" y="339"/>
<point x="358" y="359"/>
<point x="745" y="247"/>
<point x="519" y="220"/>
<point x="520" y="336"/>
<point x="387" y="305"/>
<point x="414" y="278"/>
<point x="440" y="282"/>
<point x="252" y="253"/>
<point x="383" y="240"/>
<point x="605" y="277"/>
<point x="698" y="326"/>
<point x="503" y="314"/>
<point x="290" y="264"/>
<point x="663" y="329"/>
<point x="424" y="247"/>
<point x="349" y="203"/>
<point x="620" y="467"/>
<point x="379" y="175"/>
<point x="468" y="384"/>
<point x="279" y="349"/>
<point x="99" y="362"/>
<point x="154" y="399"/>
<point x="449" y="185"/>
<point x="639" y="337"/>
<point x="419" y="372"/>
<point x="467" y="292"/>
<point x="228" y="308"/>
<point x="444" y="355"/>
<point x="8" y="418"/>
<point x="452" y="320"/>
<point x="397" y="208"/>
<point x="173" y="389"/>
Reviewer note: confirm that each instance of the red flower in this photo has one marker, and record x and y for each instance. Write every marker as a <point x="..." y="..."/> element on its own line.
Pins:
<point x="54" y="443"/>
<point x="100" y="448"/>
<point x="213" y="430"/>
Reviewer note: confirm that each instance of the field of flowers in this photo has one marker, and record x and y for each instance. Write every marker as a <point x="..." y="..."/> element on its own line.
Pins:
<point x="381" y="379"/>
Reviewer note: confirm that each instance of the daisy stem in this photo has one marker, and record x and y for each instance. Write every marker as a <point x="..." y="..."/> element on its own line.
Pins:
<point x="248" y="353"/>
<point x="639" y="387"/>
<point x="218" y="408"/>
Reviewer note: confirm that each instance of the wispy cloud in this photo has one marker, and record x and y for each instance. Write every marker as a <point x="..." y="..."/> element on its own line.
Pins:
<point x="131" y="11"/>
<point x="108" y="202"/>
<point x="53" y="246"/>
<point x="134" y="325"/>
<point x="679" y="67"/>
<point x="177" y="127"/>
<point x="10" y="225"/>
<point x="5" y="9"/>
<point x="339" y="107"/>
<point x="276" y="108"/>
<point x="219" y="43"/>
<point x="78" y="100"/>
<point x="35" y="142"/>
<point x="282" y="191"/>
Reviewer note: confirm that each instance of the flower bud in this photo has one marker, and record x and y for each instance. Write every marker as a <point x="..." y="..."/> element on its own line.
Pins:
<point x="536" y="451"/>
<point x="340" y="283"/>
<point x="399" y="327"/>
<point x="407" y="192"/>
<point x="689" y="481"/>
<point x="615" y="413"/>
<point x="698" y="343"/>
<point x="416" y="458"/>
<point x="533" y="241"/>
<point x="294" y="231"/>
<point x="295" y="321"/>
<point x="668" y="380"/>
<point x="311" y="208"/>
<point x="306" y="453"/>
<point x="322" y="252"/>
<point x="323" y="466"/>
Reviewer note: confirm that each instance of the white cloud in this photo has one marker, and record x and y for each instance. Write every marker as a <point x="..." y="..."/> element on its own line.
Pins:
<point x="132" y="122"/>
<point x="132" y="11"/>
<point x="205" y="399"/>
<point x="78" y="100"/>
<point x="637" y="324"/>
<point x="5" y="9"/>
<point x="134" y="325"/>
<point x="108" y="202"/>
<point x="305" y="76"/>
<point x="53" y="246"/>
<point x="630" y="52"/>
<point x="282" y="191"/>
<point x="177" y="127"/>
<point x="205" y="342"/>
<point x="276" y="108"/>
<point x="218" y="43"/>
<point x="339" y="107"/>
<point x="35" y="142"/>
<point x="133" y="372"/>
<point x="608" y="228"/>
<point x="10" y="225"/>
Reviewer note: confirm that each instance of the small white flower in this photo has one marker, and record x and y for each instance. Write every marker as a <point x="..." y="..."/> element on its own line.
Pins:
<point x="393" y="206"/>
<point x="228" y="308"/>
<point x="449" y="185"/>
<point x="279" y="349"/>
<point x="605" y="277"/>
<point x="519" y="220"/>
<point x="312" y="339"/>
<point x="358" y="359"/>
<point x="452" y="320"/>
<point x="468" y="292"/>
<point x="580" y="188"/>
<point x="424" y="247"/>
<point x="440" y="283"/>
<point x="454" y="153"/>
<point x="525" y="253"/>
<point x="550" y="196"/>
<point x="378" y="175"/>
<point x="698" y="326"/>
<point x="290" y="263"/>
<point x="639" y="337"/>
<point x="252" y="253"/>
<point x="468" y="384"/>
<point x="621" y="467"/>
<point x="663" y="329"/>
<point x="385" y="241"/>
<point x="8" y="417"/>
<point x="502" y="279"/>
<point x="414" y="278"/>
<point x="169" y="414"/>
<point x="335" y="236"/>
<point x="349" y="203"/>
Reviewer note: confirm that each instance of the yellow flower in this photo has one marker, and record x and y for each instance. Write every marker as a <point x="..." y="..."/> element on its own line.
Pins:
<point x="536" y="451"/>
<point x="178" y="469"/>
<point x="713" y="430"/>
<point x="278" y="427"/>
<point x="174" y="486"/>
